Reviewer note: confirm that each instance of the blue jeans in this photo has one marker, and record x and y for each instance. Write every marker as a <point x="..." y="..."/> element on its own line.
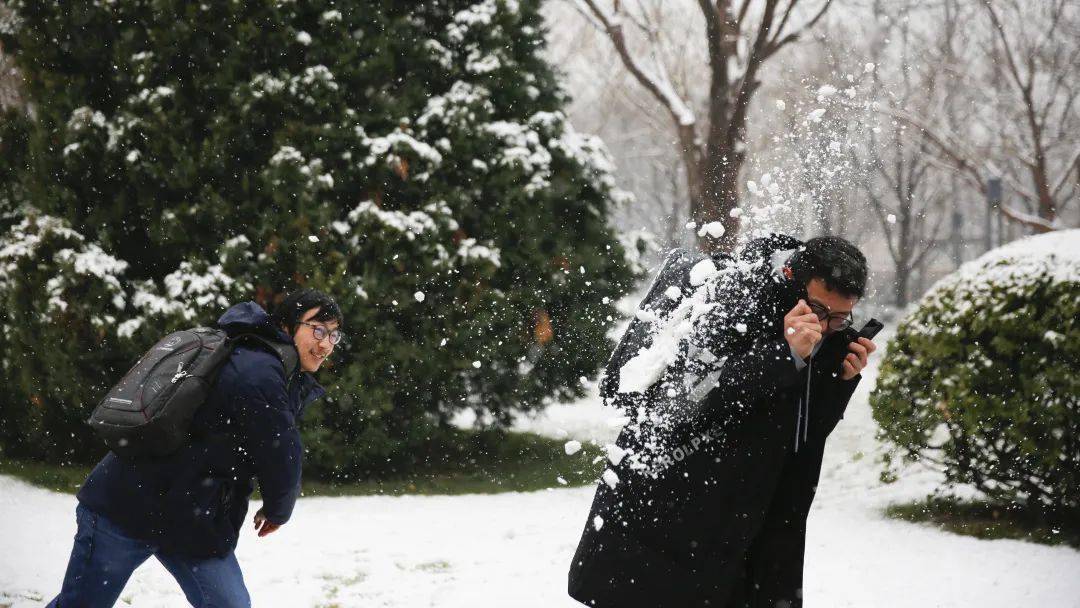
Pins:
<point x="104" y="557"/>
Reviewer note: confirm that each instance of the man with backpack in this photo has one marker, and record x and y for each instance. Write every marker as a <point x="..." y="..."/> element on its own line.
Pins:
<point x="732" y="376"/>
<point x="186" y="507"/>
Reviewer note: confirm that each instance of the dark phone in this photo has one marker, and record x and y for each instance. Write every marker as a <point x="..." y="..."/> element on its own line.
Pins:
<point x="871" y="329"/>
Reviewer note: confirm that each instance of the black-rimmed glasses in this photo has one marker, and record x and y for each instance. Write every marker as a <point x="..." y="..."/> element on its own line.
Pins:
<point x="320" y="332"/>
<point x="837" y="322"/>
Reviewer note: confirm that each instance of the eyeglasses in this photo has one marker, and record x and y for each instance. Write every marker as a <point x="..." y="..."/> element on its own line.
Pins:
<point x="320" y="332"/>
<point x="837" y="322"/>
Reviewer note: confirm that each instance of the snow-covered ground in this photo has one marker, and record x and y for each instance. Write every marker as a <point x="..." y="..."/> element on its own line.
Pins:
<point x="513" y="549"/>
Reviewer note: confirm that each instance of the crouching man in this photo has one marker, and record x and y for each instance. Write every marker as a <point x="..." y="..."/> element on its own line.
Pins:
<point x="723" y="522"/>
<point x="186" y="509"/>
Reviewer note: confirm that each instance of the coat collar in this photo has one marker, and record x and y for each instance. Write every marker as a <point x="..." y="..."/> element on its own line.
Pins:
<point x="310" y="389"/>
<point x="249" y="317"/>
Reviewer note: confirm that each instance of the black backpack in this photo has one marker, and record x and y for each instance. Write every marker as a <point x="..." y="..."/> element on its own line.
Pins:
<point x="149" y="412"/>
<point x="675" y="272"/>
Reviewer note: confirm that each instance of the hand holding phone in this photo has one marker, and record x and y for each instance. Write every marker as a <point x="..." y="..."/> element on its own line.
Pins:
<point x="868" y="331"/>
<point x="859" y="346"/>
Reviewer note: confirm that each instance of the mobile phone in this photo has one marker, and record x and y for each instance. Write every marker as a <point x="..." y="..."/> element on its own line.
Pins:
<point x="868" y="331"/>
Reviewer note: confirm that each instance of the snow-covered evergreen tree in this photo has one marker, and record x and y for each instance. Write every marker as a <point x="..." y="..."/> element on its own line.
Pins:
<point x="409" y="158"/>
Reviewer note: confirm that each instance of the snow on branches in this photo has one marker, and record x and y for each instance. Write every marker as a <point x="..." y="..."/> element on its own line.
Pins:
<point x="43" y="245"/>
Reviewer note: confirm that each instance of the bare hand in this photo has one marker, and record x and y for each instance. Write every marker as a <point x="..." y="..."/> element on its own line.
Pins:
<point x="802" y="329"/>
<point x="855" y="361"/>
<point x="263" y="525"/>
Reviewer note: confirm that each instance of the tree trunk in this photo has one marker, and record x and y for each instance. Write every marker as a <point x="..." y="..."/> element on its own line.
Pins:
<point x="712" y="166"/>
<point x="900" y="286"/>
<point x="718" y="195"/>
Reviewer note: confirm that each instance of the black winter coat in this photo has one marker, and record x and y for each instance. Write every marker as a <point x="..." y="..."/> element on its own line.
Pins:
<point x="725" y="524"/>
<point x="195" y="501"/>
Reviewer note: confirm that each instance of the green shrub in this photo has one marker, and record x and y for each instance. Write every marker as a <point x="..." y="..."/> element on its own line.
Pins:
<point x="59" y="350"/>
<point x="984" y="376"/>
<point x="410" y="158"/>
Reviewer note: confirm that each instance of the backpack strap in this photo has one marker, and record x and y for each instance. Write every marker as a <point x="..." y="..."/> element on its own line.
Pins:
<point x="286" y="353"/>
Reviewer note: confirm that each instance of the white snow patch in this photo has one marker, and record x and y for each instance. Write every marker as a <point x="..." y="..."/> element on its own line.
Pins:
<point x="516" y="546"/>
<point x="702" y="271"/>
<point x="713" y="229"/>
<point x="825" y="92"/>
<point x="610" y="478"/>
<point x="615" y="454"/>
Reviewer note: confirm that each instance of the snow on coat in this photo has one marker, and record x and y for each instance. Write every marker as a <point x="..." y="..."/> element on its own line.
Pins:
<point x="711" y="503"/>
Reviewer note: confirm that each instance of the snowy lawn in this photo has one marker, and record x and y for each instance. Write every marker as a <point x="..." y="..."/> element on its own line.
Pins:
<point x="513" y="549"/>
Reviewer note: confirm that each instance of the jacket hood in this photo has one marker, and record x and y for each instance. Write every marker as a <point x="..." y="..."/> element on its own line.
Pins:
<point x="249" y="317"/>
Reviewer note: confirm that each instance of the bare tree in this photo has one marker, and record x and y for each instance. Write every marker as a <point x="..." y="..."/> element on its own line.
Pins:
<point x="1033" y="147"/>
<point x="906" y="190"/>
<point x="741" y="36"/>
<point x="607" y="102"/>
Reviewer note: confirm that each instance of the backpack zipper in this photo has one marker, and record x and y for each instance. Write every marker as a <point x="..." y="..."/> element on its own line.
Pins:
<point x="180" y="373"/>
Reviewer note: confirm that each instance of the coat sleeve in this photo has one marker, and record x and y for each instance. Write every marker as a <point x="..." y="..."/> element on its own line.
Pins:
<point x="269" y="435"/>
<point x="754" y="370"/>
<point x="744" y="334"/>
<point x="830" y="390"/>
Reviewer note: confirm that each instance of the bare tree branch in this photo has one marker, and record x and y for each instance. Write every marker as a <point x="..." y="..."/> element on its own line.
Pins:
<point x="776" y="45"/>
<point x="680" y="111"/>
<point x="1074" y="162"/>
<point x="1034" y="222"/>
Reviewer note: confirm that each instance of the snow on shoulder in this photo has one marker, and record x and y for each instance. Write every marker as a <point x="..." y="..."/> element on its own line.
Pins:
<point x="670" y="332"/>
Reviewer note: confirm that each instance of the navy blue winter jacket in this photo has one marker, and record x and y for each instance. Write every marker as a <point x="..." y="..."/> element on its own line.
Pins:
<point x="195" y="501"/>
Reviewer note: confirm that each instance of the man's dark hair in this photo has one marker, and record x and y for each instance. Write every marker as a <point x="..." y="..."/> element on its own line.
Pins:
<point x="292" y="309"/>
<point x="832" y="259"/>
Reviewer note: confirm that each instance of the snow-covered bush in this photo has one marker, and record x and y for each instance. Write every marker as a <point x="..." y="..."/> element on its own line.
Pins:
<point x="193" y="294"/>
<point x="62" y="296"/>
<point x="984" y="376"/>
